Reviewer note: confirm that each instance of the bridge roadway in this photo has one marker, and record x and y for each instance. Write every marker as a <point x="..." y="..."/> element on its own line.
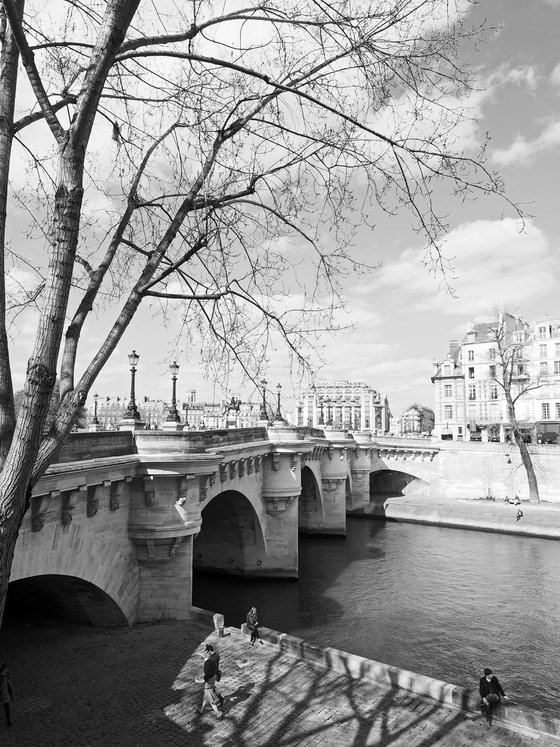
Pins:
<point x="116" y="525"/>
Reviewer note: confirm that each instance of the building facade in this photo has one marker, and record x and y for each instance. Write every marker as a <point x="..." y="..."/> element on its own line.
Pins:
<point x="469" y="400"/>
<point x="343" y="405"/>
<point x="416" y="420"/>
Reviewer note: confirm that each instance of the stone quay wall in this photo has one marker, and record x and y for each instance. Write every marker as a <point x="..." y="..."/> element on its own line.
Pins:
<point x="444" y="693"/>
<point x="470" y="469"/>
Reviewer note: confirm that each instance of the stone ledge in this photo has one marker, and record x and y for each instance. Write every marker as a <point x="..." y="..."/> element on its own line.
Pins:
<point x="444" y="693"/>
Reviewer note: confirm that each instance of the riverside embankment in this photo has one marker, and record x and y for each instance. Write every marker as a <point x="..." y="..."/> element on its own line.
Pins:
<point x="538" y="520"/>
<point x="135" y="687"/>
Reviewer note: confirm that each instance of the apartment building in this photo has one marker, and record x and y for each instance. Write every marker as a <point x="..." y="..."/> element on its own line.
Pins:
<point x="468" y="397"/>
<point x="416" y="420"/>
<point x="546" y="369"/>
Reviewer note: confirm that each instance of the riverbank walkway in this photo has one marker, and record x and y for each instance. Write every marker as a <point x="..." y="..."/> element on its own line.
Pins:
<point x="538" y="520"/>
<point x="135" y="687"/>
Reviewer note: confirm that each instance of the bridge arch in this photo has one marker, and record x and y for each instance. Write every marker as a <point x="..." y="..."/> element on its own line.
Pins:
<point x="61" y="597"/>
<point x="231" y="538"/>
<point x="310" y="503"/>
<point x="396" y="482"/>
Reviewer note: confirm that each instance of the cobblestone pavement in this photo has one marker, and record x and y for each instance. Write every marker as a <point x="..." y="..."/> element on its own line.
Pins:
<point x="135" y="687"/>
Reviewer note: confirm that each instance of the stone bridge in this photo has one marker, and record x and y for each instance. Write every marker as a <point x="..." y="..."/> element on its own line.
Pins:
<point x="116" y="525"/>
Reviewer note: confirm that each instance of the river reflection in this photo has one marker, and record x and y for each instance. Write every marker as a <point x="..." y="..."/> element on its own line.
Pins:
<point x="442" y="602"/>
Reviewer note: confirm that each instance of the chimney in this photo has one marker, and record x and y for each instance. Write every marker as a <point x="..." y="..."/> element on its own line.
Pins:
<point x="452" y="346"/>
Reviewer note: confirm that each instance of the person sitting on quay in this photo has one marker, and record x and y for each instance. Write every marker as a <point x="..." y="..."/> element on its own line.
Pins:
<point x="490" y="692"/>
<point x="253" y="625"/>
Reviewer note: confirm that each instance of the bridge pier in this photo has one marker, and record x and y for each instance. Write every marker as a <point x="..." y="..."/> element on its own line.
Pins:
<point x="360" y="470"/>
<point x="281" y="491"/>
<point x="281" y="560"/>
<point x="162" y="530"/>
<point x="334" y="479"/>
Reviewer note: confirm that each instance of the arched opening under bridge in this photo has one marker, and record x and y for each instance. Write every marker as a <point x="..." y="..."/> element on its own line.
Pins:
<point x="310" y="507"/>
<point x="231" y="537"/>
<point x="392" y="482"/>
<point x="52" y="597"/>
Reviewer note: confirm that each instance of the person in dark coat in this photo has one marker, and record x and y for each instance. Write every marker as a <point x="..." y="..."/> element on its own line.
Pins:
<point x="490" y="692"/>
<point x="253" y="625"/>
<point x="211" y="695"/>
<point x="6" y="691"/>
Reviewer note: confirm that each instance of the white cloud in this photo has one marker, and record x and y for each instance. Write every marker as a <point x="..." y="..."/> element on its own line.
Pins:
<point x="555" y="74"/>
<point x="521" y="151"/>
<point x="523" y="75"/>
<point x="494" y="265"/>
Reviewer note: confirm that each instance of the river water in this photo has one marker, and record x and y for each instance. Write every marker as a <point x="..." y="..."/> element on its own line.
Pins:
<point x="438" y="601"/>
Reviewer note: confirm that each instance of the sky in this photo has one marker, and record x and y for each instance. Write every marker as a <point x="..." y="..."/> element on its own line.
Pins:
<point x="403" y="317"/>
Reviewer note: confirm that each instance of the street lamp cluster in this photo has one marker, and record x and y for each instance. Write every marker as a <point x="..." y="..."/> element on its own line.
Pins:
<point x="173" y="415"/>
<point x="278" y="413"/>
<point x="132" y="410"/>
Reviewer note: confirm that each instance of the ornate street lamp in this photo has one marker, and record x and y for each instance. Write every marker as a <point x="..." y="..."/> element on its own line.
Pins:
<point x="321" y="412"/>
<point x="278" y="411"/>
<point x="173" y="416"/>
<point x="95" y="420"/>
<point x="263" y="415"/>
<point x="132" y="410"/>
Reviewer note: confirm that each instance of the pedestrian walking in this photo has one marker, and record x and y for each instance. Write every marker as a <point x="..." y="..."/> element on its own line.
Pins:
<point x="253" y="625"/>
<point x="214" y="656"/>
<point x="490" y="692"/>
<point x="6" y="691"/>
<point x="211" y="695"/>
<point x="519" y="514"/>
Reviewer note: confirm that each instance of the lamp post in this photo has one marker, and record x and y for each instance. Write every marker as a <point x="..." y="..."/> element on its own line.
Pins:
<point x="173" y="416"/>
<point x="321" y="412"/>
<point x="329" y="413"/>
<point x="263" y="415"/>
<point x="132" y="410"/>
<point x="95" y="420"/>
<point x="278" y="411"/>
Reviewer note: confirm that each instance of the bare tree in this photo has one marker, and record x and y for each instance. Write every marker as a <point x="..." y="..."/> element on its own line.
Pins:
<point x="173" y="155"/>
<point x="512" y="373"/>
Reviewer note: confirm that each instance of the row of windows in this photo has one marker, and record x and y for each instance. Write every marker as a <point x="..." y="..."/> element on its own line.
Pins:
<point x="491" y="354"/>
<point x="448" y="391"/>
<point x="448" y="411"/>
<point x="543" y="352"/>
<point x="546" y="410"/>
<point x="544" y="369"/>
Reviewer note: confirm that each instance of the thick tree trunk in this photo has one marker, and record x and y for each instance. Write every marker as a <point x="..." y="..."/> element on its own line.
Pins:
<point x="9" y="58"/>
<point x="523" y="451"/>
<point x="14" y="497"/>
<point x="18" y="473"/>
<point x="529" y="469"/>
